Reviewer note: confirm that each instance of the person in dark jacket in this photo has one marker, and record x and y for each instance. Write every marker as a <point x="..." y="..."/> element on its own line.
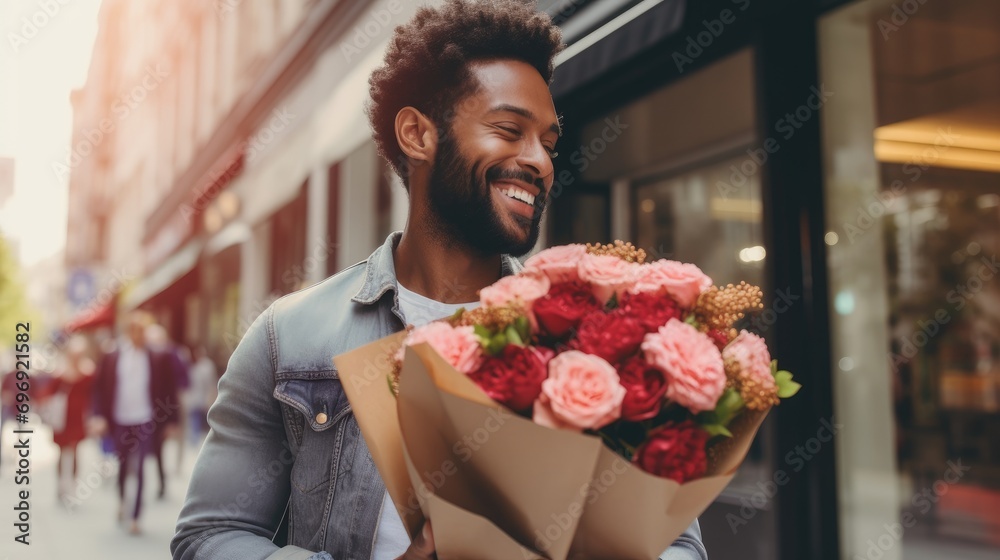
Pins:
<point x="135" y="393"/>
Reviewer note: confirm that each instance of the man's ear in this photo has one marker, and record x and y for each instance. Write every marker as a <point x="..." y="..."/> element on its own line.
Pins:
<point x="416" y="134"/>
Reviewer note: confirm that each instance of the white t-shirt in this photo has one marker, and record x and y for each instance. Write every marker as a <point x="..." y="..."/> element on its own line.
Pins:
<point x="132" y="406"/>
<point x="391" y="539"/>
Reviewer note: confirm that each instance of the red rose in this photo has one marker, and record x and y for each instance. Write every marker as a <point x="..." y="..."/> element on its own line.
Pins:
<point x="560" y="310"/>
<point x="645" y="385"/>
<point x="652" y="310"/>
<point x="719" y="338"/>
<point x="675" y="451"/>
<point x="613" y="336"/>
<point x="513" y="378"/>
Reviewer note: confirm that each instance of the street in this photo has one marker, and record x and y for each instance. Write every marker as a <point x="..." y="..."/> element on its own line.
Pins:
<point x="87" y="528"/>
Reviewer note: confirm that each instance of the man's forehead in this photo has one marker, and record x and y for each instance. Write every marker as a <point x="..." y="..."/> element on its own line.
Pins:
<point x="512" y="84"/>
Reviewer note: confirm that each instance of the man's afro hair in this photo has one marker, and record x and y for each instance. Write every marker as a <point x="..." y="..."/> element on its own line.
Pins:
<point x="427" y="61"/>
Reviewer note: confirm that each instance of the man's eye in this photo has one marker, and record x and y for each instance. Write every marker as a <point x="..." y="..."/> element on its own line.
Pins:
<point x="512" y="131"/>
<point x="553" y="154"/>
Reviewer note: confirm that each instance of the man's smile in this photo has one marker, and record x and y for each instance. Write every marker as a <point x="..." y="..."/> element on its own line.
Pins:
<point x="517" y="197"/>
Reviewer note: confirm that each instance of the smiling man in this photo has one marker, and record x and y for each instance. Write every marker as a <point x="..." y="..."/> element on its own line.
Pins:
<point x="462" y="112"/>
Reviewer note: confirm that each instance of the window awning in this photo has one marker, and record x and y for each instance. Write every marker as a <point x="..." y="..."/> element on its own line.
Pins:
<point x="175" y="266"/>
<point x="614" y="42"/>
<point x="92" y="317"/>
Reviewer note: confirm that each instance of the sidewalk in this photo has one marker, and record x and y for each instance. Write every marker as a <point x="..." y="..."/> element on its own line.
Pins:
<point x="89" y="529"/>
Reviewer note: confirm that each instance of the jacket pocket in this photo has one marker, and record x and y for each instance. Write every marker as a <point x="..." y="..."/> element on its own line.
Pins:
<point x="323" y="406"/>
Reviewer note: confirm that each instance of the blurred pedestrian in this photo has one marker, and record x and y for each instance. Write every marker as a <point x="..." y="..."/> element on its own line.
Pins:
<point x="159" y="341"/>
<point x="204" y="390"/>
<point x="66" y="402"/>
<point x="8" y="388"/>
<point x="136" y="394"/>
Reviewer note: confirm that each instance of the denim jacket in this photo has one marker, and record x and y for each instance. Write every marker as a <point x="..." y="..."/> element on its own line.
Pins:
<point x="283" y="436"/>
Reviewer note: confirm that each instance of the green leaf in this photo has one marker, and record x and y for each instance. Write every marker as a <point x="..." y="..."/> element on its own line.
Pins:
<point x="730" y="404"/>
<point x="513" y="337"/>
<point x="612" y="303"/>
<point x="786" y="387"/>
<point x="691" y="320"/>
<point x="717" y="430"/>
<point x="523" y="327"/>
<point x="789" y="390"/>
<point x="706" y="418"/>
<point x="482" y="332"/>
<point x="497" y="344"/>
<point x="458" y="313"/>
<point x="774" y="367"/>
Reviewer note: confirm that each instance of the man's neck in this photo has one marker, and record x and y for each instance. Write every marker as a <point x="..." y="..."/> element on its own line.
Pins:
<point x="445" y="273"/>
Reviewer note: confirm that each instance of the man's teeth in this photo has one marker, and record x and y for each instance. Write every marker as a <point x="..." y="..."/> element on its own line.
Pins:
<point x="519" y="194"/>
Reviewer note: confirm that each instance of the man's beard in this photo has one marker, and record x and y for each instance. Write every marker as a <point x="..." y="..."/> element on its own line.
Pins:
<point x="463" y="206"/>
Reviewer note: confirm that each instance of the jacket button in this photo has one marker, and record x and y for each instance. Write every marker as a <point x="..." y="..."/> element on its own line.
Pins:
<point x="321" y="418"/>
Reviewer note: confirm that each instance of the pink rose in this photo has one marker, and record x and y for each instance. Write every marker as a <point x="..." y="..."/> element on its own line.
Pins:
<point x="751" y="353"/>
<point x="682" y="281"/>
<point x="459" y="346"/>
<point x="581" y="392"/>
<point x="523" y="288"/>
<point x="696" y="377"/>
<point x="559" y="264"/>
<point x="607" y="275"/>
<point x="520" y="289"/>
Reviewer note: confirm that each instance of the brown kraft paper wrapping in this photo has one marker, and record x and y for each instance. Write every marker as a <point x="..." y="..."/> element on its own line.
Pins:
<point x="498" y="486"/>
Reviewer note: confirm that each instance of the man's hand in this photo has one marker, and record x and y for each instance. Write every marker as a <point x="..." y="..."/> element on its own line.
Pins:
<point x="422" y="547"/>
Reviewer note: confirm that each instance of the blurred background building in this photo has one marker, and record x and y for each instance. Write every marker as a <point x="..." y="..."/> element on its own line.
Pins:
<point x="841" y="154"/>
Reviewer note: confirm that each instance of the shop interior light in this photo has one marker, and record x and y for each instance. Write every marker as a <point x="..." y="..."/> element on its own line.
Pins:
<point x="752" y="254"/>
<point x="962" y="138"/>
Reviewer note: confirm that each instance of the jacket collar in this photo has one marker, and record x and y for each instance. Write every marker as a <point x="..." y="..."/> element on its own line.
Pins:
<point x="380" y="272"/>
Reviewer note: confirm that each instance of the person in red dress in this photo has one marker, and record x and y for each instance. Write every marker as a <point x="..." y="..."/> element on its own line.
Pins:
<point x="69" y="398"/>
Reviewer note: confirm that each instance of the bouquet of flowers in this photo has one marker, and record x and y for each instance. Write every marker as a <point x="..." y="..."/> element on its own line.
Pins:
<point x="602" y="357"/>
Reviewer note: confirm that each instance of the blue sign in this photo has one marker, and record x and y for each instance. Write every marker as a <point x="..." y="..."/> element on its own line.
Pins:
<point x="80" y="288"/>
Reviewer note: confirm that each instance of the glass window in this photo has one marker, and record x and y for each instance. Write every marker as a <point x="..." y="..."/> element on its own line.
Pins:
<point x="687" y="217"/>
<point x="677" y="167"/>
<point x="911" y="158"/>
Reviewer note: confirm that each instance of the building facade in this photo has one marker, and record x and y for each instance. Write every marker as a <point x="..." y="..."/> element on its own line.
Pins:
<point x="841" y="154"/>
